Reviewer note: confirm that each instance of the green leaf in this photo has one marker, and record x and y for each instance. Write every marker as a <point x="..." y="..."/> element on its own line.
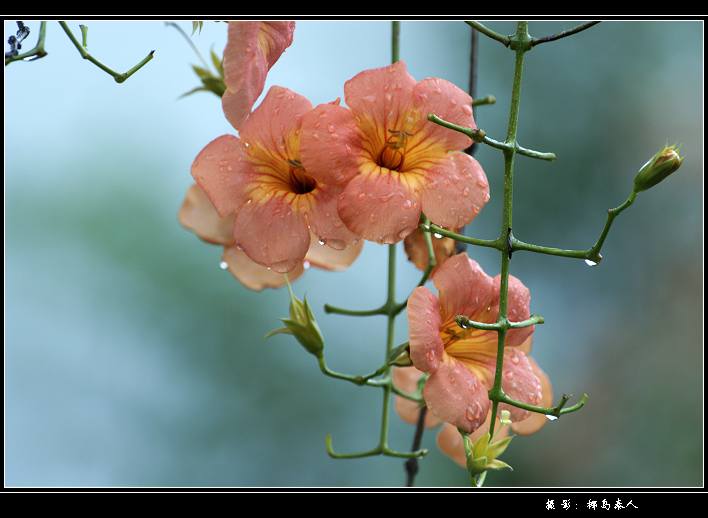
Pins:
<point x="279" y="331"/>
<point x="194" y="91"/>
<point x="218" y="63"/>
<point x="499" y="464"/>
<point x="480" y="447"/>
<point x="197" y="26"/>
<point x="497" y="448"/>
<point x="202" y="72"/>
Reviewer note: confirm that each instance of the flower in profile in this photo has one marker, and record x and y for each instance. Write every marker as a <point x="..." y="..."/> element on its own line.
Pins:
<point x="449" y="439"/>
<point x="392" y="162"/>
<point x="199" y="215"/>
<point x="278" y="205"/>
<point x="461" y="362"/>
<point x="252" y="48"/>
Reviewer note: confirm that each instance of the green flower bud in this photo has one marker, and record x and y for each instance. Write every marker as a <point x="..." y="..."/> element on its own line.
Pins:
<point x="482" y="454"/>
<point x="657" y="168"/>
<point x="302" y="325"/>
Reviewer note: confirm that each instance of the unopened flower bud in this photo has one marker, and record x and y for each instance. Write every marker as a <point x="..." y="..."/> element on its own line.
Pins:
<point x="302" y="325"/>
<point x="657" y="168"/>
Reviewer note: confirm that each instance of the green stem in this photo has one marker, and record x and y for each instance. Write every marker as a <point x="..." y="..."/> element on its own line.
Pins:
<point x="489" y="243"/>
<point x="481" y="101"/>
<point x="480" y="136"/>
<point x="520" y="44"/>
<point x="395" y="41"/>
<point x="117" y="76"/>
<point x="504" y="40"/>
<point x="37" y="51"/>
<point x="592" y="254"/>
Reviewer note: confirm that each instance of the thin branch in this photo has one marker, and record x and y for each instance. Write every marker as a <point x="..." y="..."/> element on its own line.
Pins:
<point x="117" y="76"/>
<point x="411" y="465"/>
<point x="564" y="34"/>
<point x="479" y="135"/>
<point x="504" y="40"/>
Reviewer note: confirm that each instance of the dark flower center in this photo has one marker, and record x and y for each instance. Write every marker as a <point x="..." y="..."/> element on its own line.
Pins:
<point x="300" y="182"/>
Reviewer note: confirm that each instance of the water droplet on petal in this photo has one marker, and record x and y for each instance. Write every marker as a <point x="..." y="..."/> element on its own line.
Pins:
<point x="224" y="265"/>
<point x="306" y="264"/>
<point x="322" y="241"/>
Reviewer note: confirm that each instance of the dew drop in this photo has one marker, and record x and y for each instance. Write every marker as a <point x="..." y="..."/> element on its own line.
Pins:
<point x="437" y="236"/>
<point x="223" y="265"/>
<point x="590" y="263"/>
<point x="306" y="264"/>
<point x="330" y="128"/>
<point x="322" y="241"/>
<point x="551" y="417"/>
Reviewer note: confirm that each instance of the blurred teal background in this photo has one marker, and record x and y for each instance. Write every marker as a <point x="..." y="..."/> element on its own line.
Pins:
<point x="132" y="360"/>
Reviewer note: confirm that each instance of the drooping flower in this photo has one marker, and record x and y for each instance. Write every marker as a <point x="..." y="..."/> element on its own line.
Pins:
<point x="392" y="161"/>
<point x="417" y="250"/>
<point x="199" y="215"/>
<point x="448" y="439"/>
<point x="260" y="179"/>
<point x="252" y="48"/>
<point x="461" y="362"/>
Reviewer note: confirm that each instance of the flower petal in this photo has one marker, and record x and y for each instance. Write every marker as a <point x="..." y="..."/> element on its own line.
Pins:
<point x="449" y="102"/>
<point x="535" y="422"/>
<point x="464" y="287"/>
<point x="450" y="443"/>
<point x="519" y="382"/>
<point x="518" y="304"/>
<point x="323" y="219"/>
<point x="426" y="346"/>
<point x="272" y="233"/>
<point x="199" y="215"/>
<point x="251" y="50"/>
<point x="222" y="171"/>
<point x="253" y="275"/>
<point x="456" y="190"/>
<point x="406" y="379"/>
<point x="417" y="250"/>
<point x="381" y="98"/>
<point x="275" y="122"/>
<point x="380" y="206"/>
<point x="456" y="396"/>
<point x="330" y="144"/>
<point x="327" y="258"/>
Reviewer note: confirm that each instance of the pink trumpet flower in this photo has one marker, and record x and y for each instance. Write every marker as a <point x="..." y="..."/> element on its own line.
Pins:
<point x="259" y="178"/>
<point x="391" y="162"/>
<point x="461" y="362"/>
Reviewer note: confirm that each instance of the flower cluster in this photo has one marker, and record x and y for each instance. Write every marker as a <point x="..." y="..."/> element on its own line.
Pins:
<point x="306" y="185"/>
